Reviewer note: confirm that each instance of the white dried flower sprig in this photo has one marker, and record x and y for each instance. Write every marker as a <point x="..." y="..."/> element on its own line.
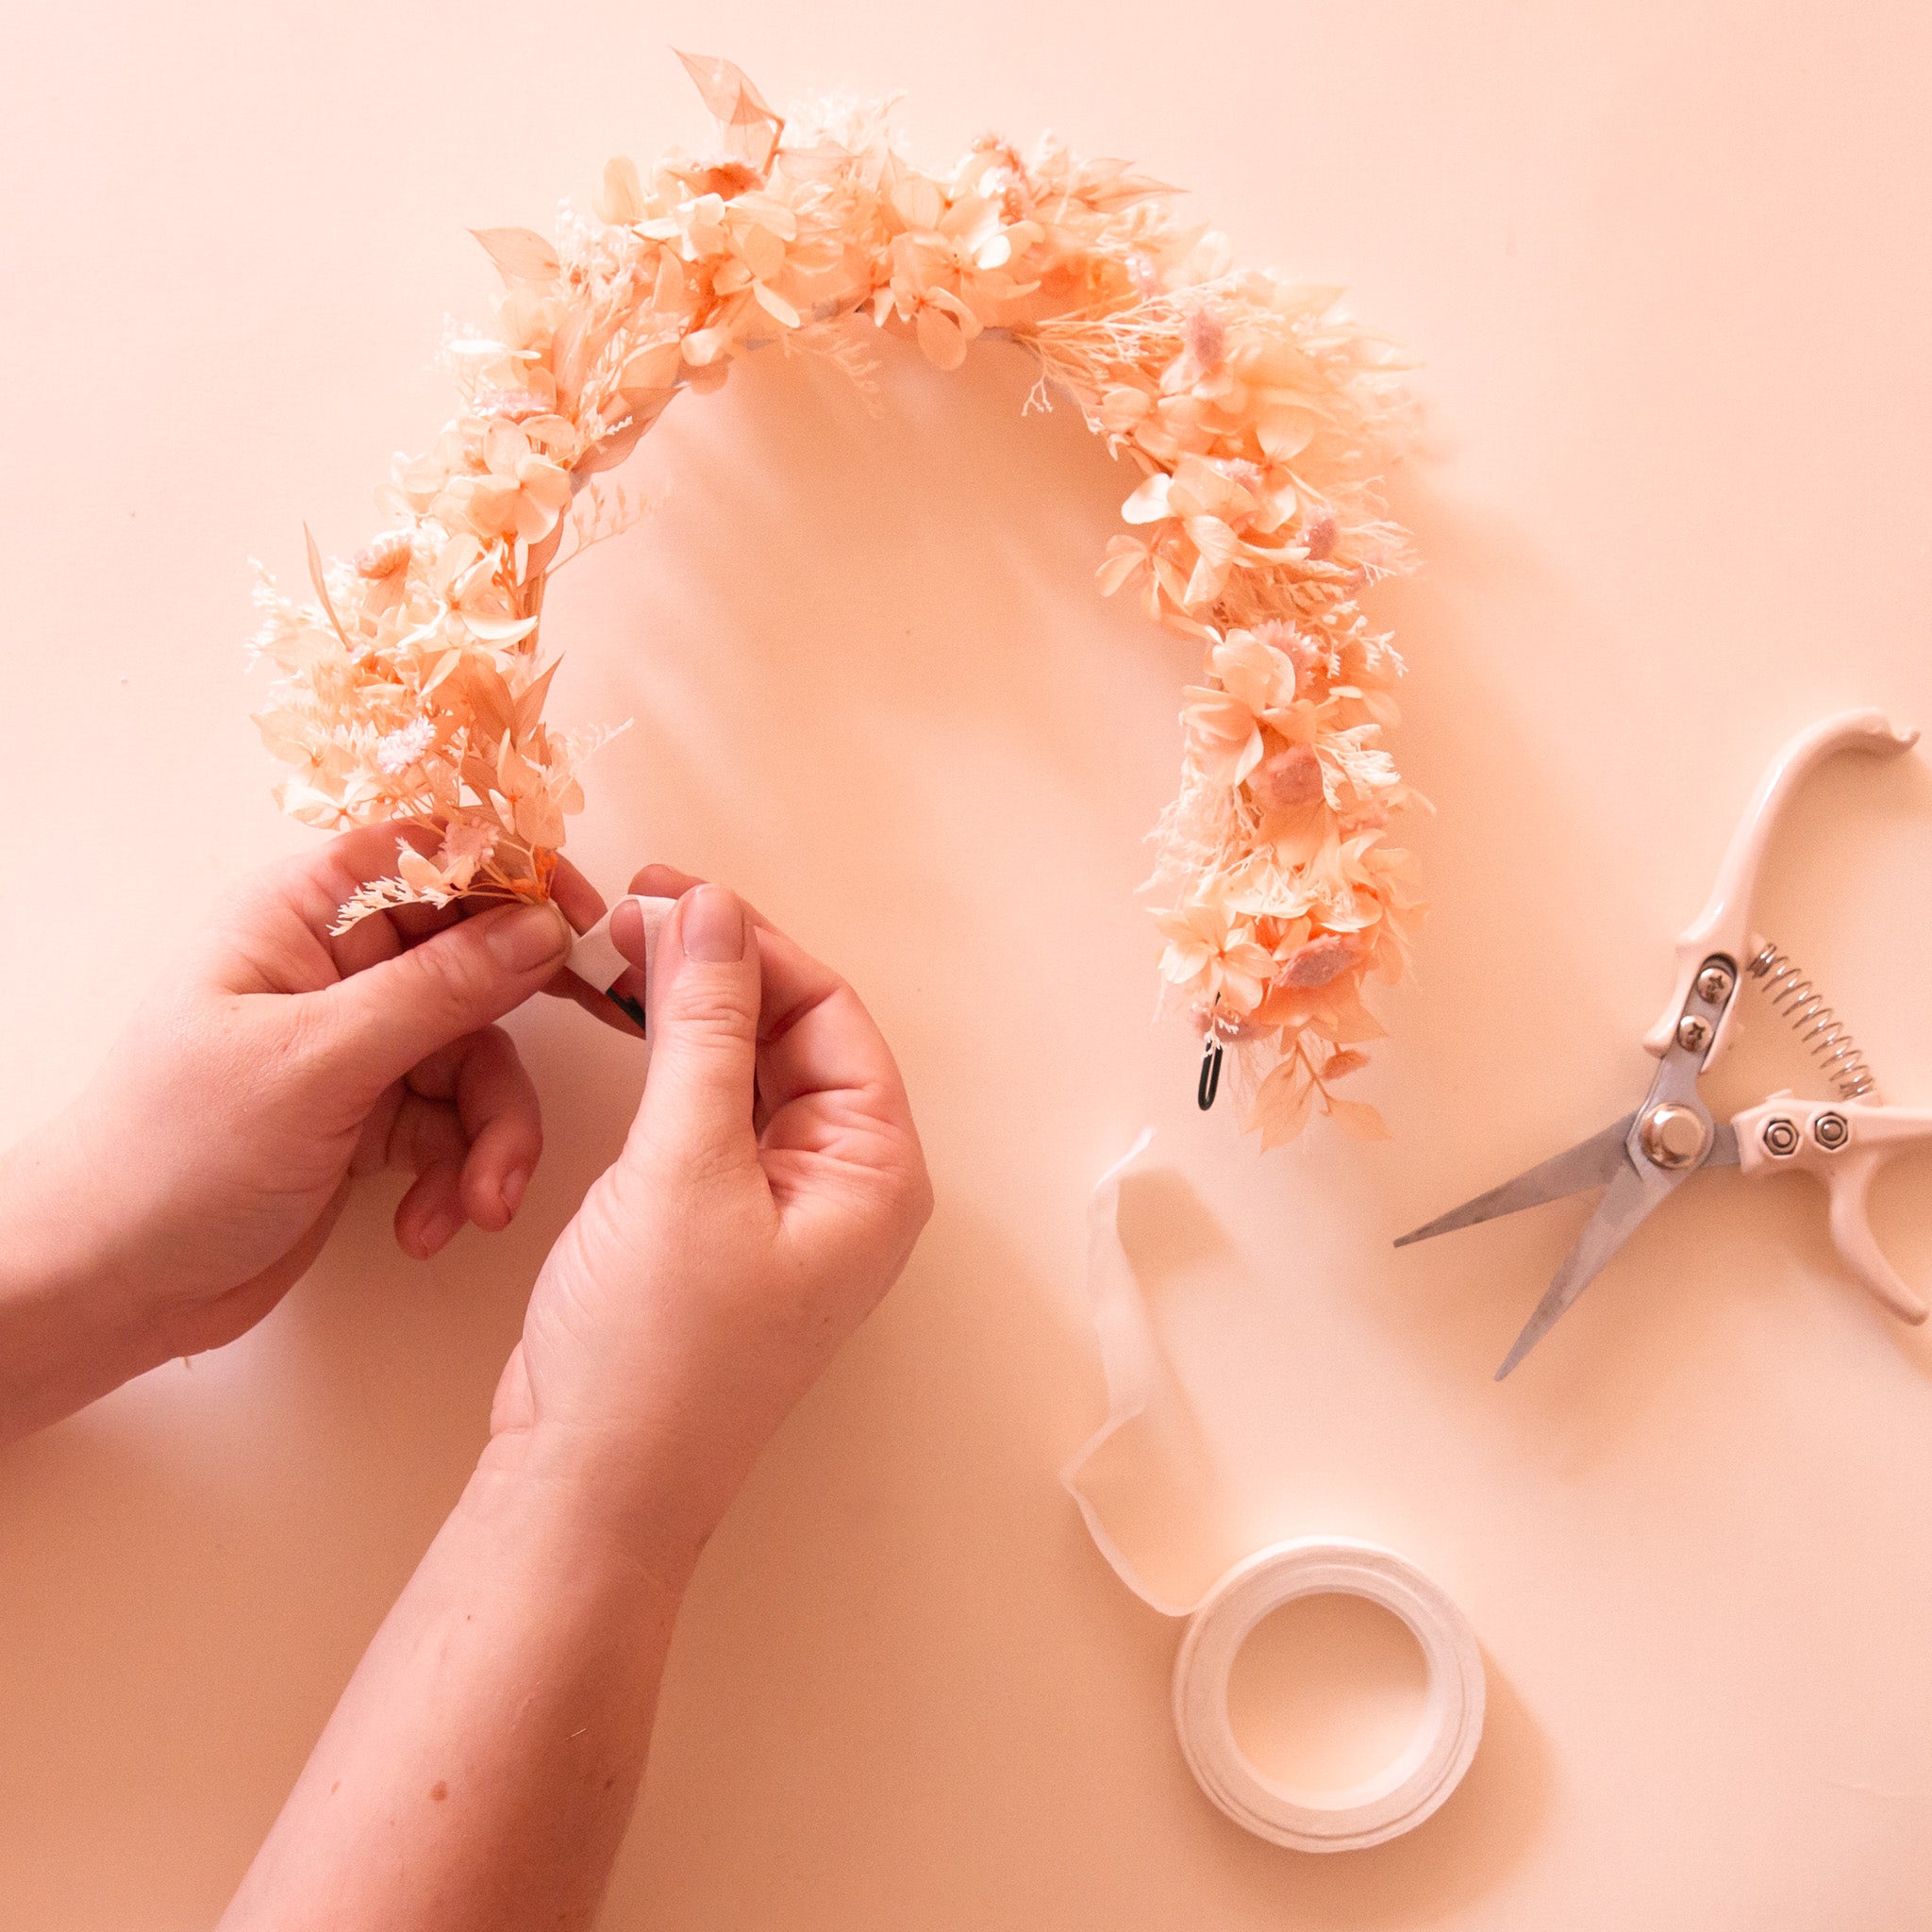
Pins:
<point x="1257" y="417"/>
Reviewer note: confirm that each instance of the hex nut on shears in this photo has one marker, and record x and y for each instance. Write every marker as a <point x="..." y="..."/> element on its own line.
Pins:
<point x="1780" y="1137"/>
<point x="1831" y="1131"/>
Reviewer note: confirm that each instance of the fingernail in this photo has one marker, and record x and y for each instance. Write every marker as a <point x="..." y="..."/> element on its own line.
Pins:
<point x="527" y="938"/>
<point x="713" y="925"/>
<point x="438" y="1230"/>
<point x="514" y="1182"/>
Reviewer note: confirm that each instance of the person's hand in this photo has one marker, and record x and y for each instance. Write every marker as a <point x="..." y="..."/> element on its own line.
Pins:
<point x="769" y="1192"/>
<point x="199" y="1174"/>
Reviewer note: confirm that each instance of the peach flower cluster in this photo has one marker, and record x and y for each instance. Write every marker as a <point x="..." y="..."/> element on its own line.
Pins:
<point x="412" y="682"/>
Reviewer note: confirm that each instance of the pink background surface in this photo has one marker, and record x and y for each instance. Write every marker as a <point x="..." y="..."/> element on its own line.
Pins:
<point x="1665" y="269"/>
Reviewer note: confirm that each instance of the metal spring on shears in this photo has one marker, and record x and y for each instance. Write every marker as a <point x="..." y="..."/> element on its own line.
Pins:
<point x="1824" y="1034"/>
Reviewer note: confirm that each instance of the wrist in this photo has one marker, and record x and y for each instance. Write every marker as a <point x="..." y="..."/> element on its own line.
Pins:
<point x="616" y="1505"/>
<point x="73" y="1324"/>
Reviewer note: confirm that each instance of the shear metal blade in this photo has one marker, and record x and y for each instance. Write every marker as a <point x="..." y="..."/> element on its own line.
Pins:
<point x="1631" y="1196"/>
<point x="1591" y="1164"/>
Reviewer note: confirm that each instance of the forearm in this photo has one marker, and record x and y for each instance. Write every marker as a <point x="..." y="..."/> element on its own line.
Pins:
<point x="69" y="1322"/>
<point x="483" y="1763"/>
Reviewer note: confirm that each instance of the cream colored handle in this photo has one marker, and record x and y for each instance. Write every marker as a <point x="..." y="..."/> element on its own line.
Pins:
<point x="1725" y="924"/>
<point x="1844" y="1142"/>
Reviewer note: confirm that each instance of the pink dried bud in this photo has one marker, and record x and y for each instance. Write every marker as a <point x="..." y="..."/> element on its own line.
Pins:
<point x="1205" y="339"/>
<point x="512" y="405"/>
<point x="1287" y="780"/>
<point x="1319" y="962"/>
<point x="1145" y="272"/>
<point x="1320" y="538"/>
<point x="389" y="554"/>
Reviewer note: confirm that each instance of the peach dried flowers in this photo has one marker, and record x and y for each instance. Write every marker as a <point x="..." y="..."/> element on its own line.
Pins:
<point x="413" y="680"/>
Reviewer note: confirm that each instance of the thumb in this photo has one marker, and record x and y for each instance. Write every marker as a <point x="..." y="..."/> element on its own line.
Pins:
<point x="393" y="1014"/>
<point x="704" y="1028"/>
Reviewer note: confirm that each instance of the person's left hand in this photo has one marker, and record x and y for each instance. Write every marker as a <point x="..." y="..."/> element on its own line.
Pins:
<point x="200" y="1172"/>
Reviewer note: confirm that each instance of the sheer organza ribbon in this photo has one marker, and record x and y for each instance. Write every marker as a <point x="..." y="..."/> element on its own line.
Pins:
<point x="1421" y="1777"/>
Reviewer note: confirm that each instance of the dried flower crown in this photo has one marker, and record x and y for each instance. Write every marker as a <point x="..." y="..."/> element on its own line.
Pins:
<point x="412" y="689"/>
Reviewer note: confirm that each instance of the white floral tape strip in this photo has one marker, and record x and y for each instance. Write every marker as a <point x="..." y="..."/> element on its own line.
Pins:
<point x="595" y="959"/>
<point x="1406" y="1792"/>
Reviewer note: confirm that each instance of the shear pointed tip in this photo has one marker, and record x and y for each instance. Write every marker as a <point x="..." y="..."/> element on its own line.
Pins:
<point x="1444" y="1224"/>
<point x="1521" y="1348"/>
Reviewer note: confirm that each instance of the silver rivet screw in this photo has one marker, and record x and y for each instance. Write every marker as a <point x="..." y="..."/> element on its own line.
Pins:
<point x="1714" y="984"/>
<point x="1673" y="1136"/>
<point x="1693" y="1033"/>
<point x="1831" y="1131"/>
<point x="1780" y="1137"/>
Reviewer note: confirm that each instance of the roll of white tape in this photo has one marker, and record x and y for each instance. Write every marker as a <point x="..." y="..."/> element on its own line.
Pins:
<point x="1406" y="1792"/>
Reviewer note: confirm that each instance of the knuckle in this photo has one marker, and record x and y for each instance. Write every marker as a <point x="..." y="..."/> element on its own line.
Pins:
<point x="909" y="1188"/>
<point x="911" y="1206"/>
<point x="488" y="1053"/>
<point x="712" y="1008"/>
<point x="446" y="983"/>
<point x="892" y="1195"/>
<point x="686" y="1166"/>
<point x="305" y="1044"/>
<point x="714" y="1168"/>
<point x="495" y="1040"/>
<point x="920" y="1200"/>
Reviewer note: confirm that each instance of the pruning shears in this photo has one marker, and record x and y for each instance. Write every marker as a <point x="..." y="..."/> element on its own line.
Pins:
<point x="1643" y="1158"/>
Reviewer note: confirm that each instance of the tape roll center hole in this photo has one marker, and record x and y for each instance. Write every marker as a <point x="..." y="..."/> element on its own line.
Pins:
<point x="1328" y="1690"/>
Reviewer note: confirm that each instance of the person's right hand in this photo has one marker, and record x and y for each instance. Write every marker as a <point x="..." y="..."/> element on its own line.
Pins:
<point x="770" y="1192"/>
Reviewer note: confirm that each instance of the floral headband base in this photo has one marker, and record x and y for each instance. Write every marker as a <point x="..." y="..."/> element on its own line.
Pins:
<point x="412" y="685"/>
